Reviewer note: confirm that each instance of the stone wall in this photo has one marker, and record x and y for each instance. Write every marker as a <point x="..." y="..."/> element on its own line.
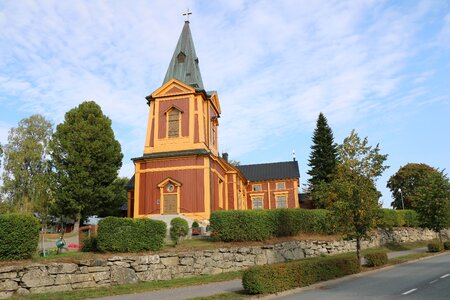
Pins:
<point x="53" y="277"/>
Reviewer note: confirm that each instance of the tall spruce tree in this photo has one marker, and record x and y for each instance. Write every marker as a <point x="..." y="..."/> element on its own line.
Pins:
<point x="323" y="157"/>
<point x="86" y="159"/>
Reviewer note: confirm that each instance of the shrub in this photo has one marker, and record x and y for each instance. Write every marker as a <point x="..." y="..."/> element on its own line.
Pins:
<point x="241" y="225"/>
<point x="435" y="246"/>
<point x="130" y="235"/>
<point x="257" y="225"/>
<point x="376" y="259"/>
<point x="447" y="245"/>
<point x="90" y="244"/>
<point x="178" y="228"/>
<point x="280" y="277"/>
<point x="195" y="224"/>
<point x="19" y="236"/>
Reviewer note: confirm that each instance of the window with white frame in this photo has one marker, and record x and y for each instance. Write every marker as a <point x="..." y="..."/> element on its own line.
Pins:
<point x="257" y="203"/>
<point x="256" y="188"/>
<point x="281" y="186"/>
<point x="281" y="201"/>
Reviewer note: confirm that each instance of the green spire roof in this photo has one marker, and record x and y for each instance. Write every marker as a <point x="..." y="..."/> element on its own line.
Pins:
<point x="184" y="63"/>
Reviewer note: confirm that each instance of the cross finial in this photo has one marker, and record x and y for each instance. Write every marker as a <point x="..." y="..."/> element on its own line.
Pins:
<point x="187" y="13"/>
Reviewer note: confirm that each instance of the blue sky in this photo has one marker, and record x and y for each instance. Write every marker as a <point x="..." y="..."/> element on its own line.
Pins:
<point x="380" y="67"/>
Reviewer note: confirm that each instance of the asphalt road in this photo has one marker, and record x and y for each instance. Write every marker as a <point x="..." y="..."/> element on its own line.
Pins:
<point x="426" y="279"/>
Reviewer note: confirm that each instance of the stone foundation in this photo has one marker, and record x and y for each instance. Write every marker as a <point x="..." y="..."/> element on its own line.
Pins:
<point x="54" y="277"/>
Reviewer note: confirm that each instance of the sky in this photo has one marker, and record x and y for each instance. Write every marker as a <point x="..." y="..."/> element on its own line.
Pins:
<point x="379" y="67"/>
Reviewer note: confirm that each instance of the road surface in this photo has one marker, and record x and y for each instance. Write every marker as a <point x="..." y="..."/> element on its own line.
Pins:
<point x="425" y="279"/>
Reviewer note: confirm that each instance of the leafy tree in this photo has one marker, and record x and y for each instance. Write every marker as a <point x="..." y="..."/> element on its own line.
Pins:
<point x="234" y="163"/>
<point x="355" y="207"/>
<point x="355" y="158"/>
<point x="86" y="159"/>
<point x="351" y="195"/>
<point x="359" y="158"/>
<point x="433" y="202"/>
<point x="408" y="179"/>
<point x="26" y="176"/>
<point x="323" y="157"/>
<point x="116" y="198"/>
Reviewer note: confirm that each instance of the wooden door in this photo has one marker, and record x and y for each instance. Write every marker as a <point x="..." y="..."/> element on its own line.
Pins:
<point x="170" y="204"/>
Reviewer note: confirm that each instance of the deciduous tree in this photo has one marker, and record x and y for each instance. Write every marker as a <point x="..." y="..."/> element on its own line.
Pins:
<point x="351" y="195"/>
<point x="86" y="159"/>
<point x="357" y="156"/>
<point x="408" y="179"/>
<point x="26" y="180"/>
<point x="433" y="202"/>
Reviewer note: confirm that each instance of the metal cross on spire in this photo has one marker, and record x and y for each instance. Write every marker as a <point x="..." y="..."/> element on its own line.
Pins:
<point x="187" y="13"/>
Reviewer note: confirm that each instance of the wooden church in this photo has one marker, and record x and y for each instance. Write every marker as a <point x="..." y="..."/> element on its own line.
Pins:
<point x="181" y="171"/>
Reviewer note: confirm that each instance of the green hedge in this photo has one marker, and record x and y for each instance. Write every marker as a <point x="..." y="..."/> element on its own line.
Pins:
<point x="258" y="225"/>
<point x="130" y="235"/>
<point x="390" y="218"/>
<point x="241" y="225"/>
<point x="376" y="259"/>
<point x="19" y="236"/>
<point x="279" y="277"/>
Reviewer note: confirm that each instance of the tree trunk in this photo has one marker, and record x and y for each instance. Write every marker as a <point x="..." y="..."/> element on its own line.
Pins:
<point x="440" y="237"/>
<point x="76" y="226"/>
<point x="358" y="249"/>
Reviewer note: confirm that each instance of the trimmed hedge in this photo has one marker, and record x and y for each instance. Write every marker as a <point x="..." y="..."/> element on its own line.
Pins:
<point x="376" y="259"/>
<point x="390" y="218"/>
<point x="258" y="225"/>
<point x="435" y="247"/>
<point x="19" y="236"/>
<point x="279" y="277"/>
<point x="241" y="225"/>
<point x="130" y="235"/>
<point x="447" y="245"/>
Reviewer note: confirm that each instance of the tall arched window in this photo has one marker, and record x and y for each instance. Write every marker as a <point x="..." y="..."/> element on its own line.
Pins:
<point x="174" y="123"/>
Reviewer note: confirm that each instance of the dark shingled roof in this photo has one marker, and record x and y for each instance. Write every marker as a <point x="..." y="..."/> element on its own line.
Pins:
<point x="130" y="184"/>
<point x="270" y="171"/>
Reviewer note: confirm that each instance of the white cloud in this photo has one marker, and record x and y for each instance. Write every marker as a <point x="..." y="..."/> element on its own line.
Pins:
<point x="275" y="64"/>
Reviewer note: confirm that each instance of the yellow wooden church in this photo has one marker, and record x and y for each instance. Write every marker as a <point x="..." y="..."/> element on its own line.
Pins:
<point x="181" y="171"/>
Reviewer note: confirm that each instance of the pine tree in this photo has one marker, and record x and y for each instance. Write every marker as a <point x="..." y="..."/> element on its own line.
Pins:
<point x="86" y="159"/>
<point x="323" y="157"/>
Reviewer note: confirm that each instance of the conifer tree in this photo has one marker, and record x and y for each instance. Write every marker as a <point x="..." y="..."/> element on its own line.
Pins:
<point x="86" y="159"/>
<point x="323" y="157"/>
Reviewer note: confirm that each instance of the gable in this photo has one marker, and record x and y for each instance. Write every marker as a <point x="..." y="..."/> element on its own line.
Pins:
<point x="172" y="88"/>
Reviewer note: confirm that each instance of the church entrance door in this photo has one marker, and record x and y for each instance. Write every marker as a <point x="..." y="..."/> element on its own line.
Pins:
<point x="170" y="204"/>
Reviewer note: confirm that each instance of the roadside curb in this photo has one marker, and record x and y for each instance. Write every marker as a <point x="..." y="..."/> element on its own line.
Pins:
<point x="337" y="280"/>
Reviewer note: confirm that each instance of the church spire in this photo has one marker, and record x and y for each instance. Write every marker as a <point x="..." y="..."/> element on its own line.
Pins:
<point x="184" y="63"/>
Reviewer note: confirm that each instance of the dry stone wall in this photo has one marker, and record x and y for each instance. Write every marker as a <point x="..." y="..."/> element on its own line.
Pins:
<point x="54" y="277"/>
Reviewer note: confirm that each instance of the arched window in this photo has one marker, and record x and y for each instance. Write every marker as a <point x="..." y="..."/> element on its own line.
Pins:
<point x="174" y="123"/>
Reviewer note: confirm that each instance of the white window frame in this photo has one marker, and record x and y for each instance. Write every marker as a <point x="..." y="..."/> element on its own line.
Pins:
<point x="282" y="183"/>
<point x="257" y="187"/>
<point x="259" y="198"/>
<point x="277" y="200"/>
